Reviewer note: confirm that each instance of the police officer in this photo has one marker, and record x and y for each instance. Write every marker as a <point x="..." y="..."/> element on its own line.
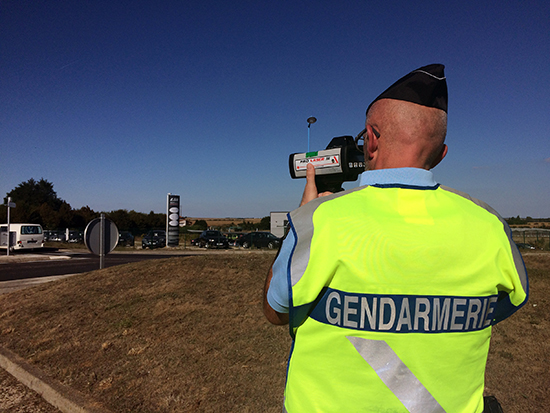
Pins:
<point x="391" y="289"/>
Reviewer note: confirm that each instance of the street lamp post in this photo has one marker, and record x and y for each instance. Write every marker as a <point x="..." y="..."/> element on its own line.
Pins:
<point x="310" y="121"/>
<point x="9" y="205"/>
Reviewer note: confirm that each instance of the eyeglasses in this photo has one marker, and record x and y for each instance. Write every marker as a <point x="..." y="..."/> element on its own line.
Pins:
<point x="361" y="135"/>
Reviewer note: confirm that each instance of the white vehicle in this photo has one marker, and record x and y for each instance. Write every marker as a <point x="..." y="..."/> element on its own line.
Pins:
<point x="22" y="236"/>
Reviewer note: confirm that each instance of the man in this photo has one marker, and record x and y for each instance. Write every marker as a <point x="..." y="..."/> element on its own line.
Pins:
<point x="391" y="289"/>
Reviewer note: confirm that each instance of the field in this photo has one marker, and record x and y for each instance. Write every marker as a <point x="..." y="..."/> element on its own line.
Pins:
<point x="222" y="222"/>
<point x="187" y="334"/>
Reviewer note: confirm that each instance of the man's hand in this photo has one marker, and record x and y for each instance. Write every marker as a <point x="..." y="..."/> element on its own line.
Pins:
<point x="310" y="191"/>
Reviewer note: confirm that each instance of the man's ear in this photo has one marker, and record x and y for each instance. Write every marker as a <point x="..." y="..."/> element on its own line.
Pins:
<point x="371" y="144"/>
<point x="439" y="157"/>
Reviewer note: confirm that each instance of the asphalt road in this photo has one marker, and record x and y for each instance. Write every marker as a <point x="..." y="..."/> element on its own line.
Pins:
<point x="54" y="263"/>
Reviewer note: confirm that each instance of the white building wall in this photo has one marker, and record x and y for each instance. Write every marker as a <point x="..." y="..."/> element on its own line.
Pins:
<point x="279" y="222"/>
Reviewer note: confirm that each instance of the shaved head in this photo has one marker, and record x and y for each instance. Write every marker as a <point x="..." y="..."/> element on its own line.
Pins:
<point x="411" y="134"/>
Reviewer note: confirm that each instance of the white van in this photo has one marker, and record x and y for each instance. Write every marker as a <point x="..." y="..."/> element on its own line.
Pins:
<point x="22" y="236"/>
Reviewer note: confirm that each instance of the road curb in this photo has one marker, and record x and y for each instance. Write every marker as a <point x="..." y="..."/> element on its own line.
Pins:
<point x="14" y="285"/>
<point x="31" y="258"/>
<point x="58" y="395"/>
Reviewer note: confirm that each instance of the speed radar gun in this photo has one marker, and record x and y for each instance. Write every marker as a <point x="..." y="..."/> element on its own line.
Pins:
<point x="342" y="161"/>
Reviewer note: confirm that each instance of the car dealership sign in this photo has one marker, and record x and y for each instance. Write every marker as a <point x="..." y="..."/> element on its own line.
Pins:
<point x="173" y="220"/>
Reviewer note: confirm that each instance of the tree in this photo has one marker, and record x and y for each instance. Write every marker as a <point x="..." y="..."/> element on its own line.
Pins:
<point x="265" y="224"/>
<point x="50" y="219"/>
<point x="82" y="217"/>
<point x="138" y="224"/>
<point x="34" y="194"/>
<point x="36" y="201"/>
<point x="121" y="218"/>
<point x="247" y="225"/>
<point x="65" y="214"/>
<point x="154" y="220"/>
<point x="200" y="224"/>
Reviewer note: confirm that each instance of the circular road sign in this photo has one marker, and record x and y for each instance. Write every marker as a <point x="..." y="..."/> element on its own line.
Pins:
<point x="92" y="235"/>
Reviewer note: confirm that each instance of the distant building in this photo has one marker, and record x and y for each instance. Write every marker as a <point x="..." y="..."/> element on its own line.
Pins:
<point x="279" y="223"/>
<point x="184" y="222"/>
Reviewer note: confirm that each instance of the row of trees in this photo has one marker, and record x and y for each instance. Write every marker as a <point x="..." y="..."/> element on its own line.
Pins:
<point x="528" y="220"/>
<point x="38" y="203"/>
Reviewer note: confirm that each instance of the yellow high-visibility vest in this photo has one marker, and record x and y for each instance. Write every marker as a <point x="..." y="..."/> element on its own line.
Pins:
<point x="394" y="290"/>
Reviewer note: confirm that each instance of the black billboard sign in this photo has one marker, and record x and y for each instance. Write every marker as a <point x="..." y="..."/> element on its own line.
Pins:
<point x="173" y="221"/>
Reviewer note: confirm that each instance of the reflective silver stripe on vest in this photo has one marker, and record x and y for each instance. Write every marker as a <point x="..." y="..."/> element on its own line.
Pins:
<point x="302" y="221"/>
<point x="396" y="375"/>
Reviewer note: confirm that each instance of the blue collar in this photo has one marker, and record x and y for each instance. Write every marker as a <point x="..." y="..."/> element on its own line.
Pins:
<point x="398" y="176"/>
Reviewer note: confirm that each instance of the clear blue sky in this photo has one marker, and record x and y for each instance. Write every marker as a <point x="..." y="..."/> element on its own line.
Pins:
<point x="118" y="103"/>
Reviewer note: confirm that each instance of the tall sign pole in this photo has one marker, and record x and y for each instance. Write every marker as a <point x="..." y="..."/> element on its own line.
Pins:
<point x="102" y="241"/>
<point x="172" y="220"/>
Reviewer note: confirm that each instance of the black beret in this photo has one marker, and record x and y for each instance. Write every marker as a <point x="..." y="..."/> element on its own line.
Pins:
<point x="426" y="86"/>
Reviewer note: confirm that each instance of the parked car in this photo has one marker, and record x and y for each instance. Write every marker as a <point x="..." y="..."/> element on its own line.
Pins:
<point x="525" y="246"/>
<point x="258" y="240"/>
<point x="21" y="236"/>
<point x="126" y="239"/>
<point x="56" y="236"/>
<point x="48" y="234"/>
<point x="154" y="239"/>
<point x="76" y="237"/>
<point x="213" y="239"/>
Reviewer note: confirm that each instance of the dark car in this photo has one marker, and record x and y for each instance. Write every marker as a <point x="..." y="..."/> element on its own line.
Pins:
<point x="525" y="246"/>
<point x="125" y="239"/>
<point x="154" y="239"/>
<point x="213" y="239"/>
<point x="76" y="237"/>
<point x="258" y="240"/>
<point x="56" y="236"/>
